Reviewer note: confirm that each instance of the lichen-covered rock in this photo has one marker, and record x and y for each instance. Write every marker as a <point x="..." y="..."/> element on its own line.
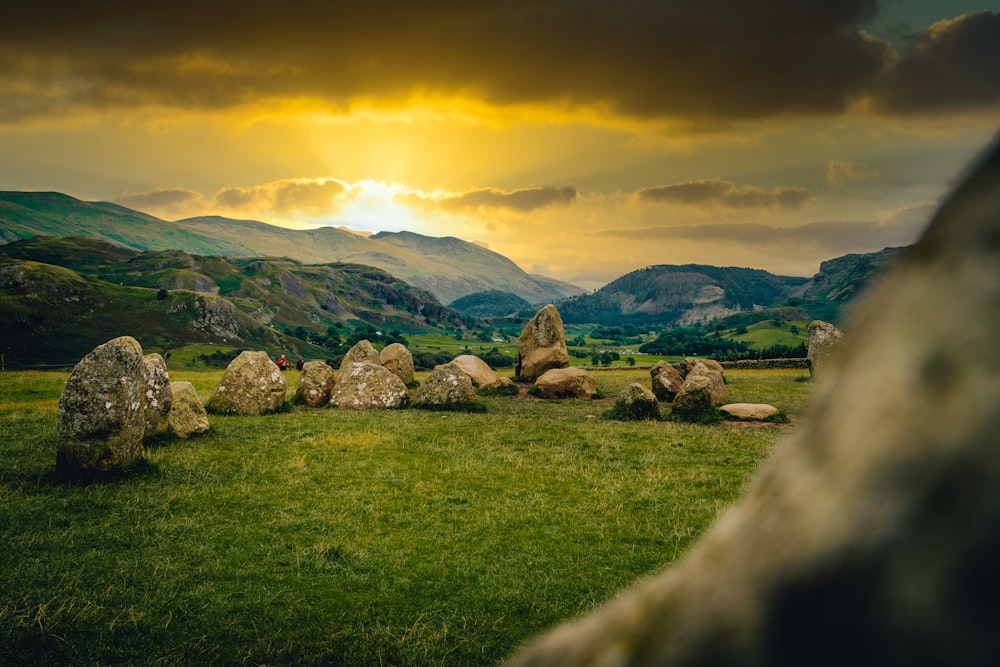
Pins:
<point x="748" y="411"/>
<point x="315" y="384"/>
<point x="364" y="386"/>
<point x="566" y="383"/>
<point x="187" y="416"/>
<point x="447" y="386"/>
<point x="636" y="402"/>
<point x="695" y="397"/>
<point x="397" y="358"/>
<point x="158" y="397"/>
<point x="542" y="345"/>
<point x="720" y="395"/>
<point x="251" y="385"/>
<point x="478" y="370"/>
<point x="101" y="416"/>
<point x="362" y="352"/>
<point x="823" y="340"/>
<point x="666" y="381"/>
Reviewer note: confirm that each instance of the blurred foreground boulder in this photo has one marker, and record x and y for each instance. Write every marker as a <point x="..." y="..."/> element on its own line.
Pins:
<point x="872" y="535"/>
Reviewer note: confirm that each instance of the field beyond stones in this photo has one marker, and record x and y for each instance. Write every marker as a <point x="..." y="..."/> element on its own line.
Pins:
<point x="323" y="536"/>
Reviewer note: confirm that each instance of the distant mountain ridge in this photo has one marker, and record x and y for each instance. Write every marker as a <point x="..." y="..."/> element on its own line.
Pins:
<point x="447" y="267"/>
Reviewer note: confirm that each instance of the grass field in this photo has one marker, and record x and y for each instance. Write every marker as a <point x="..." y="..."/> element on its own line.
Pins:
<point x="322" y="536"/>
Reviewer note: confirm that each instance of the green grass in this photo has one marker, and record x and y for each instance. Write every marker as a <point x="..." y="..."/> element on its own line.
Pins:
<point x="766" y="333"/>
<point x="324" y="536"/>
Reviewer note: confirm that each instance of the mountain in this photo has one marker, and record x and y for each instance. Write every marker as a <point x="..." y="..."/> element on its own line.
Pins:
<point x="669" y="295"/>
<point x="448" y="267"/>
<point x="842" y="280"/>
<point x="60" y="297"/>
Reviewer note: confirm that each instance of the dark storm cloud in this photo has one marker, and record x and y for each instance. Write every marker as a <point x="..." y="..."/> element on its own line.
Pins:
<point x="832" y="237"/>
<point x="707" y="61"/>
<point x="715" y="192"/>
<point x="525" y="200"/>
<point x="950" y="66"/>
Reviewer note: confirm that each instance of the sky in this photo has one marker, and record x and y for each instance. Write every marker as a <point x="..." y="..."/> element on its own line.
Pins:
<point x="582" y="139"/>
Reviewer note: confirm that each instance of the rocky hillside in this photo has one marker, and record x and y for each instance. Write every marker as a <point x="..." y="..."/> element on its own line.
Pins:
<point x="449" y="267"/>
<point x="666" y="295"/>
<point x="59" y="297"/>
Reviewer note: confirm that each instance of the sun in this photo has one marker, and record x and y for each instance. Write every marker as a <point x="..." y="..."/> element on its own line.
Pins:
<point x="370" y="205"/>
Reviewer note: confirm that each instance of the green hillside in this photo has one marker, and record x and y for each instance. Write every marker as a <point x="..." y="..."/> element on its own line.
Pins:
<point x="448" y="267"/>
<point x="53" y="313"/>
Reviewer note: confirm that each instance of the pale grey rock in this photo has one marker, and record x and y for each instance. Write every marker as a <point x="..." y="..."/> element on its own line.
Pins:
<point x="748" y="411"/>
<point x="187" y="416"/>
<point x="398" y="359"/>
<point x="477" y="369"/>
<point x="361" y="352"/>
<point x="315" y="384"/>
<point x="666" y="381"/>
<point x="824" y="338"/>
<point x="251" y="385"/>
<point x="447" y="385"/>
<point x="636" y="402"/>
<point x="157" y="395"/>
<point x="368" y="386"/>
<point x="101" y="414"/>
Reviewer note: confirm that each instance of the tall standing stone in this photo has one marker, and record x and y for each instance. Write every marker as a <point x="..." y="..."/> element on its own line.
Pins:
<point x="361" y="352"/>
<point x="823" y="340"/>
<point x="542" y="345"/>
<point x="101" y="420"/>
<point x="251" y="385"/>
<point x="157" y="394"/>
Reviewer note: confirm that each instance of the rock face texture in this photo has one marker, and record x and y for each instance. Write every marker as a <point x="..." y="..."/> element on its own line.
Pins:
<point x="719" y="392"/>
<point x="694" y="398"/>
<point x="477" y="369"/>
<point x="251" y="385"/>
<point x="566" y="383"/>
<point x="636" y="402"/>
<point x="361" y="352"/>
<point x="447" y="385"/>
<point x="365" y="386"/>
<point x="748" y="411"/>
<point x="666" y="381"/>
<point x="685" y="367"/>
<point x="101" y="417"/>
<point x="315" y="384"/>
<point x="871" y="535"/>
<point x="157" y="396"/>
<point x="823" y="340"/>
<point x="542" y="345"/>
<point x="397" y="358"/>
<point x="187" y="416"/>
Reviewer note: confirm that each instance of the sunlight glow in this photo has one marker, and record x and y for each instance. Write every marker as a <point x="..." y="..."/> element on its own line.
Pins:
<point x="369" y="205"/>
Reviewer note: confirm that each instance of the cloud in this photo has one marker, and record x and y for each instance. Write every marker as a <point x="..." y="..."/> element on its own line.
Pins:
<point x="165" y="202"/>
<point x="310" y="197"/>
<point x="842" y="173"/>
<point x="523" y="201"/>
<point x="951" y="66"/>
<point x="716" y="192"/>
<point x="829" y="238"/>
<point x="646" y="59"/>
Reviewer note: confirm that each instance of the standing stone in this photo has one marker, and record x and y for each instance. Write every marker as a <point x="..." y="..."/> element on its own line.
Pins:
<point x="542" y="345"/>
<point x="187" y="416"/>
<point x="477" y="369"/>
<point x="315" y="384"/>
<point x="448" y="386"/>
<point x="870" y="537"/>
<point x="823" y="340"/>
<point x="361" y="352"/>
<point x="566" y="383"/>
<point x="158" y="396"/>
<point x="364" y="386"/>
<point x="636" y="402"/>
<point x="720" y="394"/>
<point x="684" y="367"/>
<point x="666" y="381"/>
<point x="397" y="358"/>
<point x="101" y="419"/>
<point x="251" y="385"/>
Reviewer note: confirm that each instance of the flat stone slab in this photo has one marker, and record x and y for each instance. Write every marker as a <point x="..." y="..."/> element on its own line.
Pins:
<point x="748" y="411"/>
